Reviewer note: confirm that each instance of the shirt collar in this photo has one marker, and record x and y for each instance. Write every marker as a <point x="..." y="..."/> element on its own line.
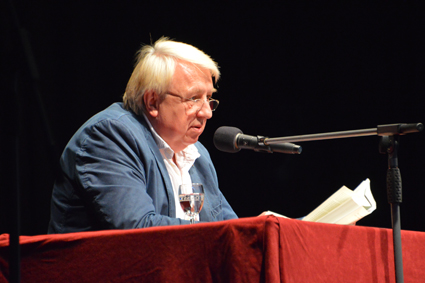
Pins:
<point x="186" y="156"/>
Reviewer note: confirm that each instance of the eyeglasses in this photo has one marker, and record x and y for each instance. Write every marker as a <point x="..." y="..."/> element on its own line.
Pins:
<point x="199" y="103"/>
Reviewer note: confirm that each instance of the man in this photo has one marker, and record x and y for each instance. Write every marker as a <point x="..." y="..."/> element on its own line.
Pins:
<point x="123" y="167"/>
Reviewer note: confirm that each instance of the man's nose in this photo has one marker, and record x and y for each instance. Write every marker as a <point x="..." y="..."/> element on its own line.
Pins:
<point x="205" y="110"/>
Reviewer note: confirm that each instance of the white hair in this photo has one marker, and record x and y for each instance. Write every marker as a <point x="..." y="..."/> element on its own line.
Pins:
<point x="155" y="68"/>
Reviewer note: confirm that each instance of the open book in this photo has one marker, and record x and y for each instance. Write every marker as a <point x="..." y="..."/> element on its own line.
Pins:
<point x="345" y="206"/>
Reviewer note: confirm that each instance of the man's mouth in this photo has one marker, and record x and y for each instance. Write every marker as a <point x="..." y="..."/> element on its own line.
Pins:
<point x="197" y="127"/>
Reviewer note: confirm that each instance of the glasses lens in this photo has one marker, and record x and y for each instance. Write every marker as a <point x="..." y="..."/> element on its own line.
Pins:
<point x="213" y="104"/>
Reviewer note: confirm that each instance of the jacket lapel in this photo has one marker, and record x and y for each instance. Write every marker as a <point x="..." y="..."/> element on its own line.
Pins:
<point x="161" y="166"/>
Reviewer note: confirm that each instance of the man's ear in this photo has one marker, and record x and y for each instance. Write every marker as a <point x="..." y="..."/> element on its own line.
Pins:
<point x="151" y="100"/>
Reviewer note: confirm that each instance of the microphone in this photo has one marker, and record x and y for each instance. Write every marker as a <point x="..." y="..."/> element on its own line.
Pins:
<point x="231" y="139"/>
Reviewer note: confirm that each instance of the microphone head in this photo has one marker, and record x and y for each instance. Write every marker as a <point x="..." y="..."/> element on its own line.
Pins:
<point x="225" y="139"/>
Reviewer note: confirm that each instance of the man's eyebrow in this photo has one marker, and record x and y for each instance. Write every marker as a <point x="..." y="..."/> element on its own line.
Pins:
<point x="214" y="90"/>
<point x="200" y="92"/>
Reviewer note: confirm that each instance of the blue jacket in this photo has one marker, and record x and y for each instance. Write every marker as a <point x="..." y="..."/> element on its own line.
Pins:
<point x="114" y="177"/>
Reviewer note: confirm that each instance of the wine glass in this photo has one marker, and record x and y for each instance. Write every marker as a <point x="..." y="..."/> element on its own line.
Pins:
<point x="191" y="197"/>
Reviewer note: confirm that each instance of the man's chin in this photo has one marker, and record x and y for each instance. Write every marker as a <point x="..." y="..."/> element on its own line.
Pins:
<point x="191" y="139"/>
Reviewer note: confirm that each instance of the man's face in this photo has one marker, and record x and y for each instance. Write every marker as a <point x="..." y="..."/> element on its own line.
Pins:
<point x="173" y="119"/>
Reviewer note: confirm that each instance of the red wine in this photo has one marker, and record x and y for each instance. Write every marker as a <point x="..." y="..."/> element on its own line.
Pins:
<point x="192" y="203"/>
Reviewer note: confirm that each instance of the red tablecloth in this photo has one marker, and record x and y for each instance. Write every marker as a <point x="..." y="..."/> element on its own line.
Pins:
<point x="258" y="249"/>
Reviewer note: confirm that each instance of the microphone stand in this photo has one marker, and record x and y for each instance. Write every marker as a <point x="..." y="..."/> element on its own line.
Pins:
<point x="388" y="144"/>
<point x="25" y="62"/>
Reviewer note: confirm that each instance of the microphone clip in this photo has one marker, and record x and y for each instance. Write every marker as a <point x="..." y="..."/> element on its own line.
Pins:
<point x="262" y="146"/>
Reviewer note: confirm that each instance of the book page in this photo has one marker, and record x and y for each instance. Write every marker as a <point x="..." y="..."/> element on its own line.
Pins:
<point x="345" y="206"/>
<point x="354" y="216"/>
<point x="365" y="191"/>
<point x="344" y="210"/>
<point x="335" y="200"/>
<point x="268" y="212"/>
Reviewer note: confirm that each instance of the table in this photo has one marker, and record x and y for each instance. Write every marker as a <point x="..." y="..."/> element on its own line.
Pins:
<point x="257" y="249"/>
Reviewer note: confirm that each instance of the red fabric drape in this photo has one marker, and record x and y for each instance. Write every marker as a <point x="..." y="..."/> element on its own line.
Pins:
<point x="258" y="249"/>
<point x="316" y="252"/>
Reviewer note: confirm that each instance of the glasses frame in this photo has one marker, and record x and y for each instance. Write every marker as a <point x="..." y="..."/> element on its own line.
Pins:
<point x="195" y="101"/>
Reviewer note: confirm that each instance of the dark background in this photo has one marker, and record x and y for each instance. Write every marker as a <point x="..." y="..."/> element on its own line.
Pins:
<point x="288" y="68"/>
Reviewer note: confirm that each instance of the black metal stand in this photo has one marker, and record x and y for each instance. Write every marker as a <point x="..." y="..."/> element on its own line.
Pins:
<point x="23" y="67"/>
<point x="15" y="227"/>
<point x="388" y="145"/>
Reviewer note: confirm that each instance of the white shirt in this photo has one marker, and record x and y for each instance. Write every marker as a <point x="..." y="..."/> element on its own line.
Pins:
<point x="179" y="171"/>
